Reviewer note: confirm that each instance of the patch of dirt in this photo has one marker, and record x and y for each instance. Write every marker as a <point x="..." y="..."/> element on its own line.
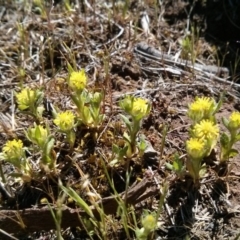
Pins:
<point x="36" y="45"/>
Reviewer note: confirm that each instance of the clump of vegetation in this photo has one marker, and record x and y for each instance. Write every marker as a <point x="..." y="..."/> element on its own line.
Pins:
<point x="83" y="149"/>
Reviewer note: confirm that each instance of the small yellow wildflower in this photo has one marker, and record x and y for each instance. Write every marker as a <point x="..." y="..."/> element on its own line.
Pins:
<point x="196" y="148"/>
<point x="78" y="80"/>
<point x="149" y="222"/>
<point x="65" y="121"/>
<point x="200" y="107"/>
<point x="25" y="98"/>
<point x="13" y="149"/>
<point x="206" y="130"/>
<point x="234" y="120"/>
<point x="140" y="107"/>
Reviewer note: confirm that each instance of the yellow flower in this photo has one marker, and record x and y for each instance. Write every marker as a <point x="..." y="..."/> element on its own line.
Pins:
<point x="78" y="80"/>
<point x="65" y="121"/>
<point x="13" y="149"/>
<point x="234" y="122"/>
<point x="149" y="222"/>
<point x="196" y="148"/>
<point x="206" y="130"/>
<point x="200" y="108"/>
<point x="25" y="98"/>
<point x="140" y="107"/>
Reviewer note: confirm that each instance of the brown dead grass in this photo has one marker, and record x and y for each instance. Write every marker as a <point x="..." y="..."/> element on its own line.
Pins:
<point x="102" y="40"/>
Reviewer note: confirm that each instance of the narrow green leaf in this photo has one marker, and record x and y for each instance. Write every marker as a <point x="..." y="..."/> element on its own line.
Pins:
<point x="115" y="148"/>
<point x="237" y="138"/>
<point x="49" y="145"/>
<point x="71" y="193"/>
<point x="126" y="121"/>
<point x="219" y="104"/>
<point x="233" y="152"/>
<point x="169" y="166"/>
<point x="225" y="122"/>
<point x="38" y="134"/>
<point x="70" y="68"/>
<point x="126" y="137"/>
<point x="224" y="140"/>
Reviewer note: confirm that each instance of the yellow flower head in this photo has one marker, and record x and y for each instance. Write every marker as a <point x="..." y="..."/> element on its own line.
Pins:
<point x="234" y="120"/>
<point x="149" y="222"/>
<point x="65" y="121"/>
<point x="200" y="107"/>
<point x="140" y="107"/>
<point x="206" y="130"/>
<point x="13" y="149"/>
<point x="77" y="80"/>
<point x="25" y="98"/>
<point x="196" y="148"/>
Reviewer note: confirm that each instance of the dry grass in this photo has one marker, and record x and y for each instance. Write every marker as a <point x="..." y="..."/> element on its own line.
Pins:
<point x="37" y="41"/>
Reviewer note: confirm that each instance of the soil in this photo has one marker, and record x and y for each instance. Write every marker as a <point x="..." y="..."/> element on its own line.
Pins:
<point x="101" y="37"/>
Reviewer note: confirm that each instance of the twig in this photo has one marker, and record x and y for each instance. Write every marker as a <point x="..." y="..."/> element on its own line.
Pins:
<point x="37" y="219"/>
<point x="150" y="52"/>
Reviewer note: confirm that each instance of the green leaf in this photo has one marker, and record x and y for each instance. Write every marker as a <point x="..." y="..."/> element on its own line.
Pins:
<point x="233" y="152"/>
<point x="76" y="101"/>
<point x="219" y="104"/>
<point x="237" y="138"/>
<point x="126" y="137"/>
<point x="224" y="140"/>
<point x="71" y="193"/>
<point x="169" y="166"/>
<point x="70" y="68"/>
<point x="177" y="164"/>
<point x="123" y="151"/>
<point x="38" y="134"/>
<point x="39" y="97"/>
<point x="203" y="171"/>
<point x="95" y="112"/>
<point x="126" y="121"/>
<point x="49" y="145"/>
<point x="225" y="122"/>
<point x="115" y="148"/>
